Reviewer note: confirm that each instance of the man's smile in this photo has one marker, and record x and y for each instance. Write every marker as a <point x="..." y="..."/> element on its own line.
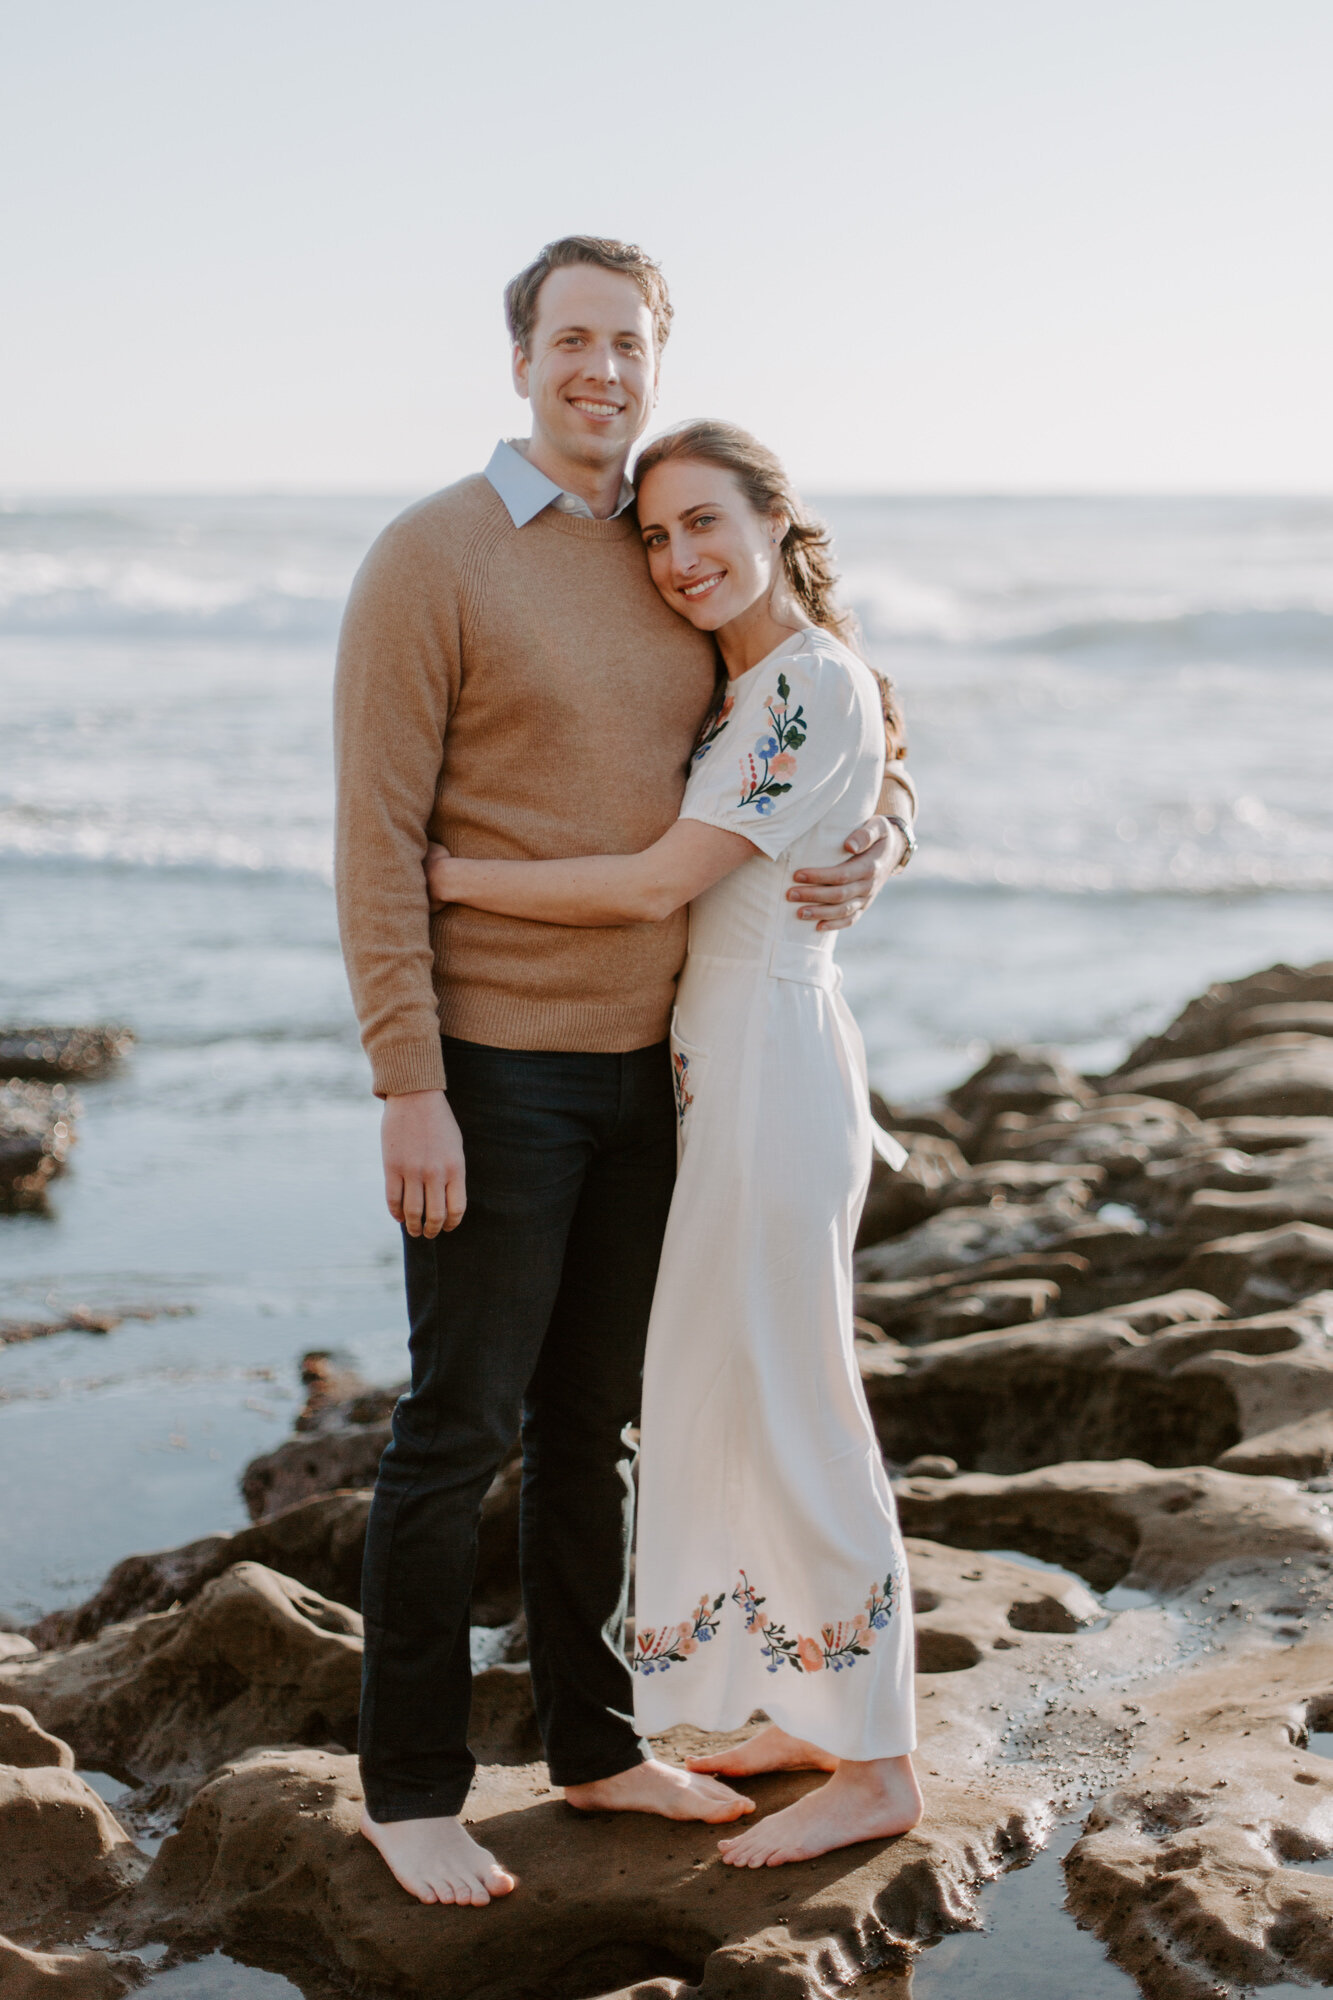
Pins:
<point x="591" y="409"/>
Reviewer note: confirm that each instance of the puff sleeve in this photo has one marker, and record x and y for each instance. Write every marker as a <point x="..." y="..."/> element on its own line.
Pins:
<point x="783" y="749"/>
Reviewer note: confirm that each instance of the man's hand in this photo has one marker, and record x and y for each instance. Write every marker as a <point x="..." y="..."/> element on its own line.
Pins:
<point x="424" y="1181"/>
<point x="833" y="898"/>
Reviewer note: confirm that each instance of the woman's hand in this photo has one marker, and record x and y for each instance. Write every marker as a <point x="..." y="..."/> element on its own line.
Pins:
<point x="437" y="874"/>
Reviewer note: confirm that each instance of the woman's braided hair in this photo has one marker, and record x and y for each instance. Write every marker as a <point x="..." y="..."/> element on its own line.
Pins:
<point x="806" y="547"/>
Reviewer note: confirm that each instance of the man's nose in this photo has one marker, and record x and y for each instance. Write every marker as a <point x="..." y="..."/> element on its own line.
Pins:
<point x="600" y="364"/>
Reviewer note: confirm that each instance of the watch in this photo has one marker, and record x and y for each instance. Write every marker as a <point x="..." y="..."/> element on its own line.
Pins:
<point x="905" y="829"/>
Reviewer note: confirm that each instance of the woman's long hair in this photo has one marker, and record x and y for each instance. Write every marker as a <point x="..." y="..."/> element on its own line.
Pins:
<point x="806" y="548"/>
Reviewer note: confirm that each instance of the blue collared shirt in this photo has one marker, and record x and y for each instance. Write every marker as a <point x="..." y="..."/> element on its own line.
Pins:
<point x="526" y="491"/>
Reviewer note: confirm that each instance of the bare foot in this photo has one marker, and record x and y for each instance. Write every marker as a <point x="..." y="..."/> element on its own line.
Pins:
<point x="871" y="1801"/>
<point x="771" y="1750"/>
<point x="437" y="1860"/>
<point x="654" y="1787"/>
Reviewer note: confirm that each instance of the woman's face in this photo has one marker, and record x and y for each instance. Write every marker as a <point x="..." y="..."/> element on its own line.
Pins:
<point x="711" y="556"/>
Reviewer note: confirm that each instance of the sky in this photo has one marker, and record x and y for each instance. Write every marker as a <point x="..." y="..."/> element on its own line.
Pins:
<point x="916" y="245"/>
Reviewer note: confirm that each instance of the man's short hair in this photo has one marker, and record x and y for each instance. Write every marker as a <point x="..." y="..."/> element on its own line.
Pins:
<point x="521" y="292"/>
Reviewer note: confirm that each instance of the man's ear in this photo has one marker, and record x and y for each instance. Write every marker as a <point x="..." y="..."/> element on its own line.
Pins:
<point x="520" y="365"/>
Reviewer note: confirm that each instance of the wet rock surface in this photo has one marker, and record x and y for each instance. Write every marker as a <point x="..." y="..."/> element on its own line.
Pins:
<point x="61" y="1055"/>
<point x="1097" y="1341"/>
<point x="36" y="1133"/>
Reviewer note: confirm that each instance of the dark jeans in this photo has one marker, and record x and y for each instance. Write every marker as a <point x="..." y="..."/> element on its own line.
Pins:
<point x="536" y="1306"/>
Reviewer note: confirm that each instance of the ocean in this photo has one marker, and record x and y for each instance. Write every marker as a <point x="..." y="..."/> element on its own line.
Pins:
<point x="1120" y="714"/>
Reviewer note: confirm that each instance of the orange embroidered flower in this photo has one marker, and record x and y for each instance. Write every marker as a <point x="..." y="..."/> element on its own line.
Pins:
<point x="810" y="1653"/>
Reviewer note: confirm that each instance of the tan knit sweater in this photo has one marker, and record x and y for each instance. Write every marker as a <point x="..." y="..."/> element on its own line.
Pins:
<point x="518" y="693"/>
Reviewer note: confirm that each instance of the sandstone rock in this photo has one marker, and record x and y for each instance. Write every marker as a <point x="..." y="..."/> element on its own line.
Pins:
<point x="911" y="1310"/>
<point x="897" y="1199"/>
<point x="26" y="1745"/>
<point x="964" y="1611"/>
<point x="1019" y="1080"/>
<point x="611" y="1904"/>
<point x="1210" y="1021"/>
<point x="1299" y="1450"/>
<point x="959" y="1237"/>
<point x="1123" y="1522"/>
<point x="65" y="1975"/>
<point x="303" y="1467"/>
<point x="1119" y="1133"/>
<point x="1264" y="1268"/>
<point x="1140" y="1385"/>
<point x="61" y="1055"/>
<point x="61" y="1849"/>
<point x="1303" y="1017"/>
<point x="1190" y="1867"/>
<point x="255" y="1658"/>
<point x="931" y="1465"/>
<point x="317" y="1543"/>
<point x="15" y="1646"/>
<point x="36" y="1133"/>
<point x="1289" y="1075"/>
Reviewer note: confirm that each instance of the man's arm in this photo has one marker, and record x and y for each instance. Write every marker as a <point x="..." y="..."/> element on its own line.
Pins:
<point x="396" y="680"/>
<point x="833" y="898"/>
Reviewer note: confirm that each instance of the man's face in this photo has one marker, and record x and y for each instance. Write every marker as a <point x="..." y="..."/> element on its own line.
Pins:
<point x="591" y="374"/>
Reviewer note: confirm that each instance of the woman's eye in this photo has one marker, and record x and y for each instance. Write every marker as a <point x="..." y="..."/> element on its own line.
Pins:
<point x="704" y="520"/>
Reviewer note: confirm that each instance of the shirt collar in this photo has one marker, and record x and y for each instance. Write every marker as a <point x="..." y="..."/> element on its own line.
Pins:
<point x="526" y="492"/>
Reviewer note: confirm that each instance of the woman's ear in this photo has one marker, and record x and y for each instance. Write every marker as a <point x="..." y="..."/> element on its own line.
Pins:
<point x="778" y="526"/>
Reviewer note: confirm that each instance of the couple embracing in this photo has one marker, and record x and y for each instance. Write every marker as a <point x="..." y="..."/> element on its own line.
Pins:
<point x="571" y="710"/>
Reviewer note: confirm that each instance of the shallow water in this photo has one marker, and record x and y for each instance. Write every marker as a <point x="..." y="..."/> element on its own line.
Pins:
<point x="1030" y="1945"/>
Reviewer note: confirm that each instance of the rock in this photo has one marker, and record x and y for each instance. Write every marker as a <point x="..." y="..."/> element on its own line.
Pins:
<point x="254" y="1658"/>
<point x="16" y="1646"/>
<point x="1287" y="1075"/>
<point x="959" y="1237"/>
<point x="335" y="1394"/>
<point x="931" y="1466"/>
<point x="1123" y="1522"/>
<point x="897" y="1199"/>
<point x="935" y="1117"/>
<point x="1299" y="1450"/>
<point x="611" y="1904"/>
<point x="1120" y="1134"/>
<point x="36" y="1133"/>
<point x="61" y="1055"/>
<point x="26" y="1745"/>
<point x="1143" y="1385"/>
<point x="65" y="1975"/>
<point x="1190" y="1868"/>
<point x="965" y="1610"/>
<point x="317" y="1543"/>
<point x="303" y="1467"/>
<point x="84" y="1319"/>
<point x="1211" y="1021"/>
<point x="1019" y="1080"/>
<point x="61" y="1848"/>
<point x="1302" y="1017"/>
<point x="1266" y="1268"/>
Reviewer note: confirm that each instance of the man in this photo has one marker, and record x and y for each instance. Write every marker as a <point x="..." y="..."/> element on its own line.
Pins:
<point x="510" y="683"/>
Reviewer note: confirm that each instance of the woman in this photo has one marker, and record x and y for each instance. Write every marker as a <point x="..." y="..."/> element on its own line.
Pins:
<point x="770" y="1568"/>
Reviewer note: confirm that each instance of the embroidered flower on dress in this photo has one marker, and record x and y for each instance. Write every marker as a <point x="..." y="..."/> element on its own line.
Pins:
<point x="658" y="1647"/>
<point x="680" y="1081"/>
<point x="837" y="1646"/>
<point x="711" y="728"/>
<point x="775" y="750"/>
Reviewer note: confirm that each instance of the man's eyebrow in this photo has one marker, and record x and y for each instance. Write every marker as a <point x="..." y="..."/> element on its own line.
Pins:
<point x="625" y="333"/>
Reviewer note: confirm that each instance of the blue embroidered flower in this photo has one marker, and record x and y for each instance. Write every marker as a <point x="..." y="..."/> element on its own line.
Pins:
<point x="776" y="750"/>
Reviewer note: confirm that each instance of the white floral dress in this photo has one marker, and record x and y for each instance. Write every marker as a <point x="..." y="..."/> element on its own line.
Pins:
<point x="770" y="1569"/>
